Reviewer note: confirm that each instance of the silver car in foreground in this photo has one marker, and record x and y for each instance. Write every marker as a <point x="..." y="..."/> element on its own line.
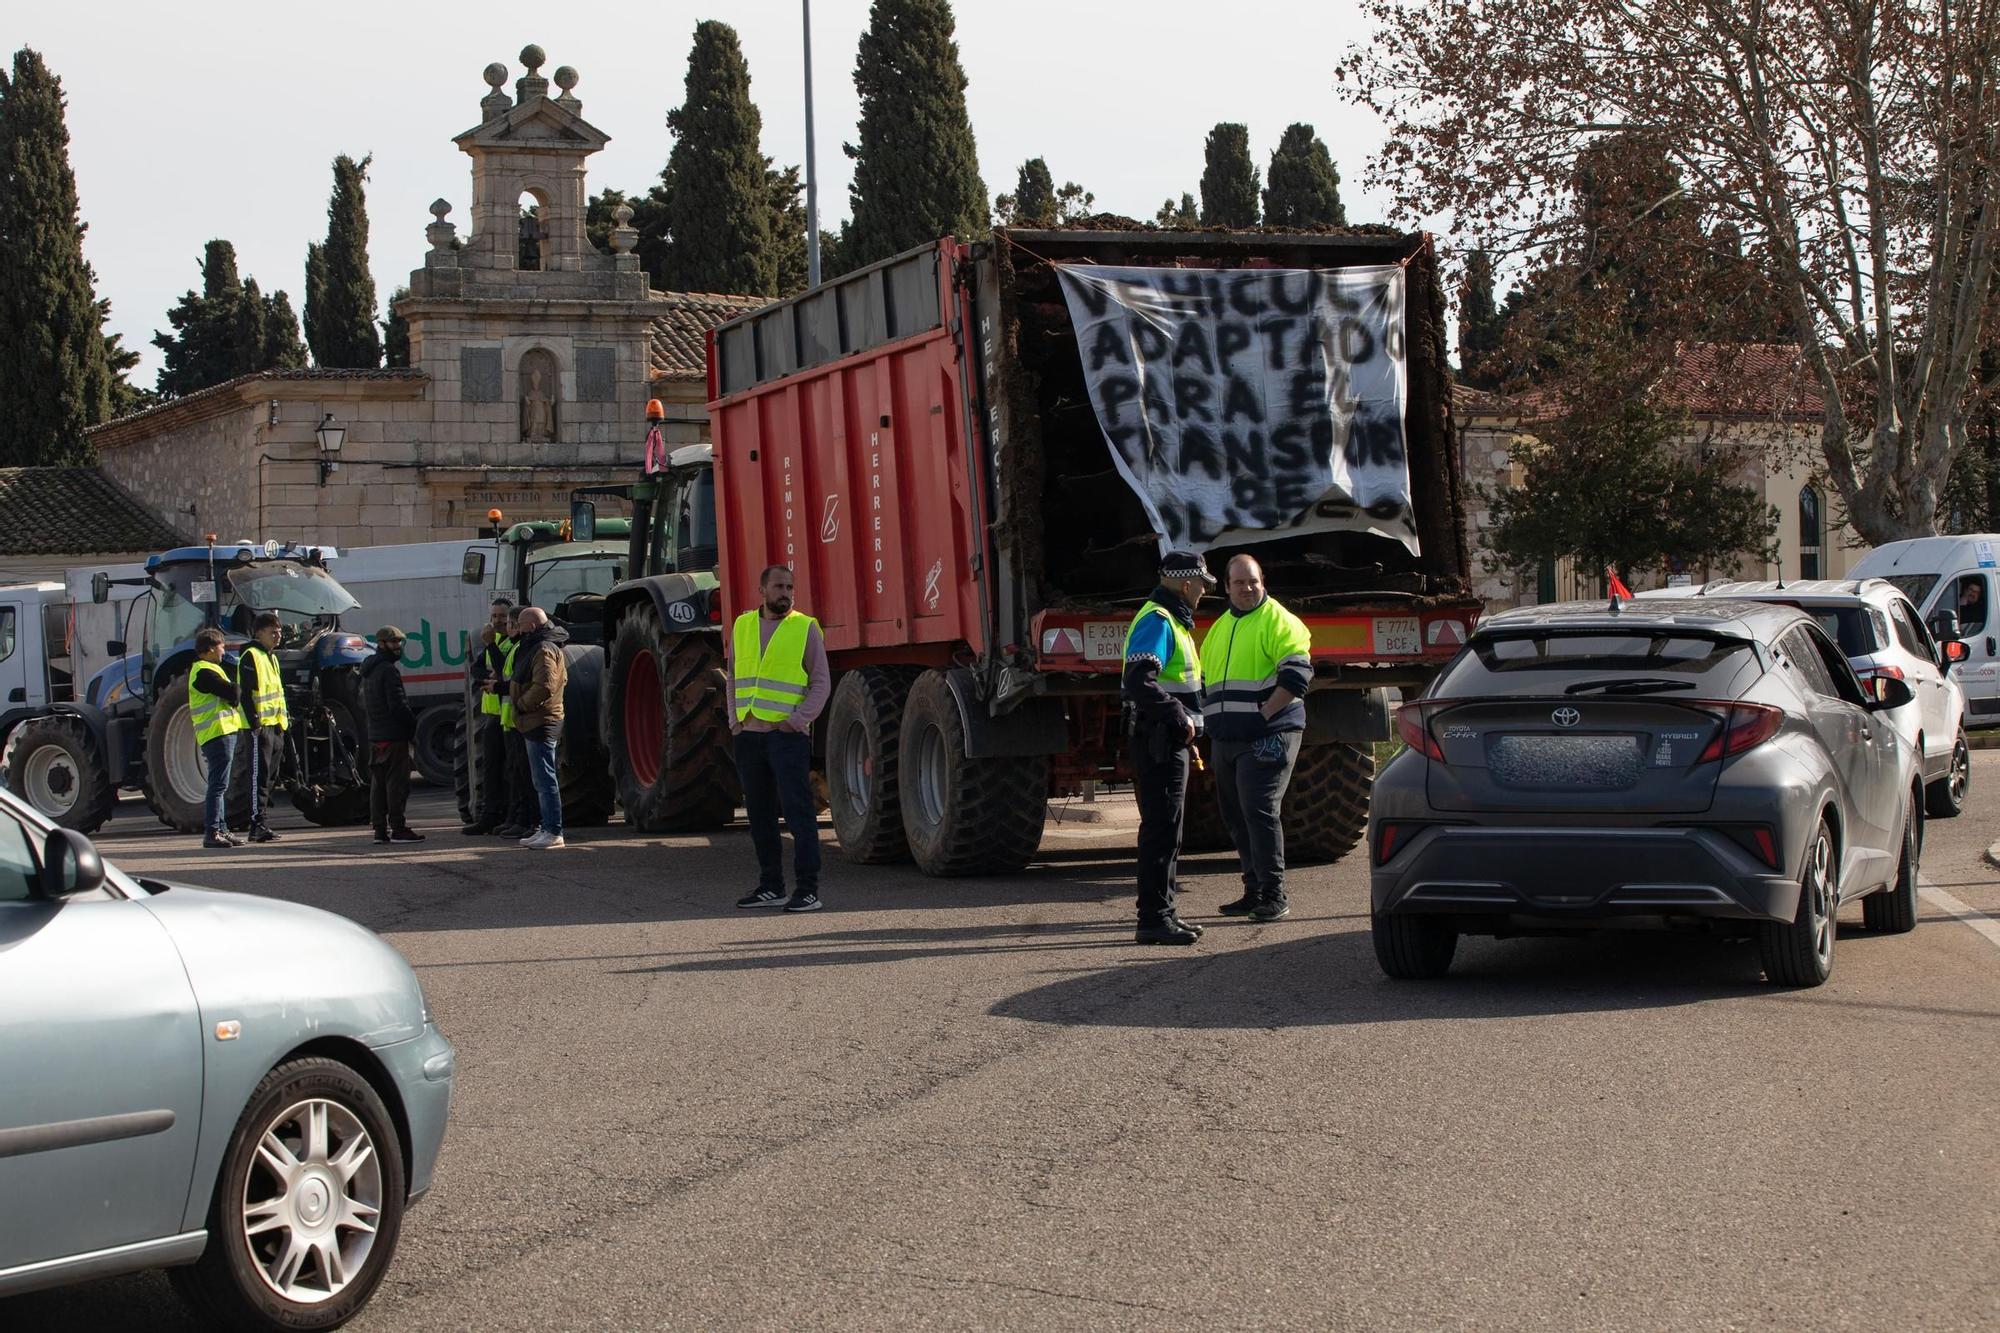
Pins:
<point x="244" y="1091"/>
<point x="1660" y="763"/>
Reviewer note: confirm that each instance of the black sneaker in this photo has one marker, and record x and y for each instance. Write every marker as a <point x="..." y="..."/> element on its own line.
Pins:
<point x="382" y="838"/>
<point x="262" y="833"/>
<point x="1271" y="909"/>
<point x="218" y="841"/>
<point x="1243" y="906"/>
<point x="1168" y="931"/>
<point x="805" y="900"/>
<point x="515" y="831"/>
<point x="763" y="898"/>
<point x="406" y="835"/>
<point x="474" y="829"/>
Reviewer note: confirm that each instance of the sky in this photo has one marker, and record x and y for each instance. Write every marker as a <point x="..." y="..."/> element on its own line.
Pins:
<point x="222" y="120"/>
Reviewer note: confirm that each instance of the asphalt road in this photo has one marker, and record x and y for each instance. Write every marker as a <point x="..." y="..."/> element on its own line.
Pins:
<point x="976" y="1104"/>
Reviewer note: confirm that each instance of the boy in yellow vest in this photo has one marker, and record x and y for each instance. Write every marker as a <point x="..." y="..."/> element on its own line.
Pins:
<point x="778" y="682"/>
<point x="215" y="711"/>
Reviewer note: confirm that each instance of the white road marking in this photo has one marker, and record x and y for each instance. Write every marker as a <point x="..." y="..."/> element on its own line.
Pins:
<point x="1970" y="915"/>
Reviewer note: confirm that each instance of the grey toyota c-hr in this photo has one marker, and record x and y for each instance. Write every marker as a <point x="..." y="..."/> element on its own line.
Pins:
<point x="1659" y="763"/>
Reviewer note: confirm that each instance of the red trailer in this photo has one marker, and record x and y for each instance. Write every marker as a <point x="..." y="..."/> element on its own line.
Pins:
<point x="917" y="442"/>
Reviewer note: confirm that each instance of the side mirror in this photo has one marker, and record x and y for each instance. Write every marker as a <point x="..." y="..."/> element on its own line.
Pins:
<point x="582" y="521"/>
<point x="1944" y="625"/>
<point x="1954" y="651"/>
<point x="1886" y="693"/>
<point x="474" y="568"/>
<point x="100" y="587"/>
<point x="70" y="865"/>
<point x="115" y="647"/>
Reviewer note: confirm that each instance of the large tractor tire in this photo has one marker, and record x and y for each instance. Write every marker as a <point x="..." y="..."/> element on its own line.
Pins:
<point x="54" y="764"/>
<point x="1326" y="808"/>
<point x="439" y="729"/>
<point x="1202" y="826"/>
<point x="588" y="795"/>
<point x="336" y="748"/>
<point x="665" y="722"/>
<point x="176" y="784"/>
<point x="864" y="729"/>
<point x="964" y="816"/>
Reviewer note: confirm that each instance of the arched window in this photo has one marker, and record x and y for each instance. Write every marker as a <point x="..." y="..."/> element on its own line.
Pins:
<point x="532" y="244"/>
<point x="1812" y="533"/>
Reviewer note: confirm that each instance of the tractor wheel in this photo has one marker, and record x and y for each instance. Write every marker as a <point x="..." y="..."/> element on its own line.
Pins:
<point x="176" y="783"/>
<point x="53" y="764"/>
<point x="964" y="816"/>
<point x="665" y="721"/>
<point x="864" y="728"/>
<point x="333" y="791"/>
<point x="1326" y="808"/>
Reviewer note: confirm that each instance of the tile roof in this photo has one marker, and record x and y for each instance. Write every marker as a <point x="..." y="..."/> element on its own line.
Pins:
<point x="1726" y="381"/>
<point x="74" y="511"/>
<point x="677" y="348"/>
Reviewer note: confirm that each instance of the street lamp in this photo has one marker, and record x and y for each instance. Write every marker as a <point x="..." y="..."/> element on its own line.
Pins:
<point x="331" y="437"/>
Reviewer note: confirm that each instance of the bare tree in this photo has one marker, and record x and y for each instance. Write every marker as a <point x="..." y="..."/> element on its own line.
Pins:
<point x="1854" y="143"/>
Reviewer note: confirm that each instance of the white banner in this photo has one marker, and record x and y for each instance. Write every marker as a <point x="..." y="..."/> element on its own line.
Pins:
<point x="1248" y="404"/>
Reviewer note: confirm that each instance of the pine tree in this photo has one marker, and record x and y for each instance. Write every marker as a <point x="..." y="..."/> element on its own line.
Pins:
<point x="916" y="166"/>
<point x="1229" y="181"/>
<point x="716" y="188"/>
<point x="1480" y="324"/>
<point x="1303" y="188"/>
<point x="1182" y="214"/>
<point x="340" y="294"/>
<point x="396" y="333"/>
<point x="228" y="328"/>
<point x="121" y="361"/>
<point x="1033" y="203"/>
<point x="54" y="380"/>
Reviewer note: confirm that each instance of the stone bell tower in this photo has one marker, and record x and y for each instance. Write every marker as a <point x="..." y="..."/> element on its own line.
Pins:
<point x="535" y="341"/>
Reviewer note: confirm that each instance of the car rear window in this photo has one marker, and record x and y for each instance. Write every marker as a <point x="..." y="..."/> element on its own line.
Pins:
<point x="1852" y="627"/>
<point x="1504" y="665"/>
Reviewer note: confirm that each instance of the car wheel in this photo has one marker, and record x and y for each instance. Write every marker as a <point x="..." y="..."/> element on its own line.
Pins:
<point x="1944" y="798"/>
<point x="1799" y="952"/>
<point x="307" y="1207"/>
<point x="1413" y="948"/>
<point x="1893" y="911"/>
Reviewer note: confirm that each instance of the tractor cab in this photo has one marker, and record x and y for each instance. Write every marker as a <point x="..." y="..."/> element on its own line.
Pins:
<point x="541" y="564"/>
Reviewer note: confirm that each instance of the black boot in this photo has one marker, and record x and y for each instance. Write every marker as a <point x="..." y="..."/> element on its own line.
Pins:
<point x="1271" y="909"/>
<point x="1175" y="917"/>
<point x="1164" y="930"/>
<point x="1243" y="906"/>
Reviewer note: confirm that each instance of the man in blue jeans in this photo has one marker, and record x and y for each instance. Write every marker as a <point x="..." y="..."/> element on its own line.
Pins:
<point x="541" y="672"/>
<point x="216" y="714"/>
<point x="778" y="682"/>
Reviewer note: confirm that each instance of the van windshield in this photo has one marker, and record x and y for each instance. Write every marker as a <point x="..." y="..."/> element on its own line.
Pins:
<point x="1916" y="587"/>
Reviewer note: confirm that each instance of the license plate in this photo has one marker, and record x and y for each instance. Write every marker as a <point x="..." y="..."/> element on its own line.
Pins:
<point x="1399" y="636"/>
<point x="1564" y="763"/>
<point x="1103" y="640"/>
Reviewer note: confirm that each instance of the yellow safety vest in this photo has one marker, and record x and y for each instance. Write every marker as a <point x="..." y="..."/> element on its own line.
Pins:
<point x="212" y="717"/>
<point x="1180" y="674"/>
<point x="494" y="705"/>
<point x="1241" y="655"/>
<point x="267" y="701"/>
<point x="771" y="678"/>
<point x="507" y="679"/>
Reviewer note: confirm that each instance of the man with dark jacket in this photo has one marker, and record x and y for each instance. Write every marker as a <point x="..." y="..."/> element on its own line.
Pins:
<point x="541" y="672"/>
<point x="518" y="816"/>
<point x="1257" y="662"/>
<point x="261" y="750"/>
<point x="392" y="725"/>
<point x="486" y="745"/>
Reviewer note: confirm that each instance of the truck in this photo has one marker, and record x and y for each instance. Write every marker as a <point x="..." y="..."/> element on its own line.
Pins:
<point x="70" y="752"/>
<point x="917" y="440"/>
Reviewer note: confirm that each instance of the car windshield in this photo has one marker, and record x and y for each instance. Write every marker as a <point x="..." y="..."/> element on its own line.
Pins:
<point x="573" y="569"/>
<point x="1916" y="587"/>
<point x="1507" y="664"/>
<point x="286" y="586"/>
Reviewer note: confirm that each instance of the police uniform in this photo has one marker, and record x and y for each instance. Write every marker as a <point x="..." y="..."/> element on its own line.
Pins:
<point x="1163" y="687"/>
<point x="1247" y="656"/>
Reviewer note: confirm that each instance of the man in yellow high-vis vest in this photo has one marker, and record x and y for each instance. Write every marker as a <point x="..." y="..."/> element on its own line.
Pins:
<point x="1162" y="685"/>
<point x="1256" y="662"/>
<point x="216" y="714"/>
<point x="261" y="750"/>
<point x="778" y="682"/>
<point x="487" y="748"/>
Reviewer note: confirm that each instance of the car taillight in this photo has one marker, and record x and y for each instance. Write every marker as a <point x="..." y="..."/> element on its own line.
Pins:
<point x="1744" y="727"/>
<point x="1388" y="840"/>
<point x="1413" y="726"/>
<point x="1756" y="839"/>
<point x="1893" y="672"/>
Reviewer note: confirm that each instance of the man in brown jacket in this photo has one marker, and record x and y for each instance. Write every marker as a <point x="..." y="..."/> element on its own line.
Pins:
<point x="540" y="674"/>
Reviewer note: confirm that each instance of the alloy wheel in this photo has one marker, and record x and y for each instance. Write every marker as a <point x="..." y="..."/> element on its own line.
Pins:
<point x="312" y="1201"/>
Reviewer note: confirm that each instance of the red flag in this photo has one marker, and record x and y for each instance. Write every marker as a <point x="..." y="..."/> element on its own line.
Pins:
<point x="1618" y="588"/>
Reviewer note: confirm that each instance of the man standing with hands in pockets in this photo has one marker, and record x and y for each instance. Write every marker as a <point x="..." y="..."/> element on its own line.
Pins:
<point x="778" y="683"/>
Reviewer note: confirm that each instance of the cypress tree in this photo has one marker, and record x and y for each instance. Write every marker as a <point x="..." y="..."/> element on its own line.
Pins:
<point x="1033" y="203"/>
<point x="54" y="379"/>
<point x="916" y="167"/>
<point x="340" y="294"/>
<point x="1229" y="180"/>
<point x="1303" y="188"/>
<point x="716" y="188"/>
<point x="1480" y="324"/>
<point x="788" y="228"/>
<point x="1182" y="214"/>
<point x="396" y="331"/>
<point x="228" y="328"/>
<point x="278" y="345"/>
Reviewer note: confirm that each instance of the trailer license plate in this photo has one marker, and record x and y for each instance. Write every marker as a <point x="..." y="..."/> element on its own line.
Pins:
<point x="1401" y="636"/>
<point x="1103" y="640"/>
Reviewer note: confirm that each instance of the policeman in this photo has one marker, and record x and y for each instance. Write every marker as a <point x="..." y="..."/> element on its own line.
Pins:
<point x="261" y="686"/>
<point x="1162" y="685"/>
<point x="1257" y="659"/>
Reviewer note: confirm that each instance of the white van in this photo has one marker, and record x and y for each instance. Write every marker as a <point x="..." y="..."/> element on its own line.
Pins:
<point x="1954" y="575"/>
